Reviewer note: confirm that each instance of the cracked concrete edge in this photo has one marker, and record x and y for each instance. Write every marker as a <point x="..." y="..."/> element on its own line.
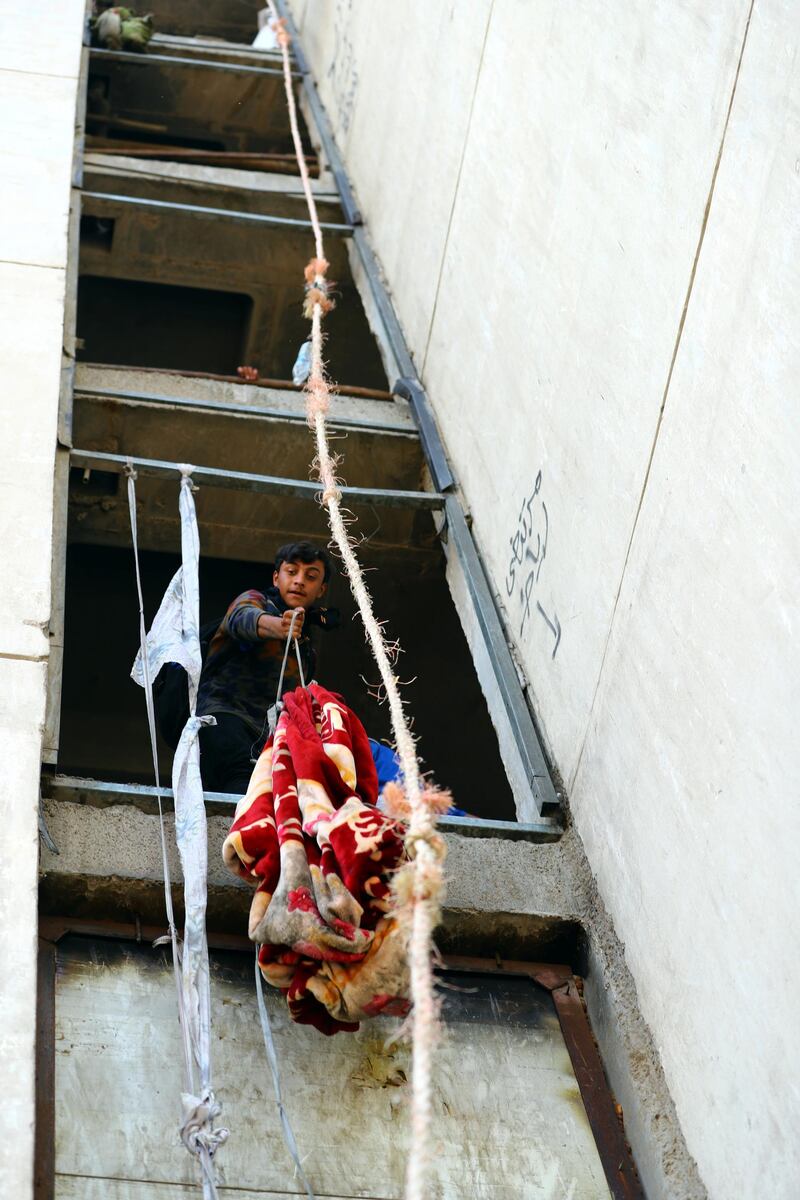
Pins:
<point x="631" y="1061"/>
<point x="484" y="875"/>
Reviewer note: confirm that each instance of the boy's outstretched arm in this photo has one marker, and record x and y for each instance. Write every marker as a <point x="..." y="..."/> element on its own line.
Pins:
<point x="279" y="627"/>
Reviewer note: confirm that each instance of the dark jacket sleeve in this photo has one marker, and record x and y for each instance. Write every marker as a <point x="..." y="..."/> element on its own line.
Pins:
<point x="241" y="619"/>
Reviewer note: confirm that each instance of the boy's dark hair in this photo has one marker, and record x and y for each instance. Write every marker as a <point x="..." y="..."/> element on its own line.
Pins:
<point x="304" y="552"/>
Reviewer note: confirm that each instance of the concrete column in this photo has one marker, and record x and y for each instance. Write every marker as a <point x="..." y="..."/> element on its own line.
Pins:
<point x="39" y="66"/>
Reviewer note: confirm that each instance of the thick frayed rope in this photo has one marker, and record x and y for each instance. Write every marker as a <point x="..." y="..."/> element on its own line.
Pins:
<point x="418" y="885"/>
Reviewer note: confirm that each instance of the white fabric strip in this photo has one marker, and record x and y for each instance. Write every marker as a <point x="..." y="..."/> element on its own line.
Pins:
<point x="174" y="637"/>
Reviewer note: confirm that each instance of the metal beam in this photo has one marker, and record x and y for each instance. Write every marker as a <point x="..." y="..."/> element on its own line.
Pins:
<point x="197" y="210"/>
<point x="221" y="406"/>
<point x="620" y="1169"/>
<point x="242" y="481"/>
<point x="98" y="53"/>
<point x="104" y="794"/>
<point x="413" y="391"/>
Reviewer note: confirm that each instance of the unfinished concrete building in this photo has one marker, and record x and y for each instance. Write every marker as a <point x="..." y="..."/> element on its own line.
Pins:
<point x="566" y="314"/>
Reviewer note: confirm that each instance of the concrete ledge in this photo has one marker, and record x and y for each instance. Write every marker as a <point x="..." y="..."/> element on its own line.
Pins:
<point x="511" y="898"/>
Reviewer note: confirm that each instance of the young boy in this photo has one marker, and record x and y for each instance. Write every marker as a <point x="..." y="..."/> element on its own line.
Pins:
<point x="240" y="676"/>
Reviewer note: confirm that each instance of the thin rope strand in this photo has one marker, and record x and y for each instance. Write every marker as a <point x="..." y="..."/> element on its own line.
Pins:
<point x="424" y="848"/>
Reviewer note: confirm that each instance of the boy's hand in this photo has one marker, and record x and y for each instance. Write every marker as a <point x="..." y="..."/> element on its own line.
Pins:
<point x="278" y="627"/>
<point x="299" y="615"/>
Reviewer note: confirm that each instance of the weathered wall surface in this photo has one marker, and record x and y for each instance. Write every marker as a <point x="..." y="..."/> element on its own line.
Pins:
<point x="590" y="229"/>
<point x="39" y="63"/>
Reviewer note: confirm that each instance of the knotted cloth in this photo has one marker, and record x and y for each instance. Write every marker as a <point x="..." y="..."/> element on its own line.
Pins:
<point x="321" y="855"/>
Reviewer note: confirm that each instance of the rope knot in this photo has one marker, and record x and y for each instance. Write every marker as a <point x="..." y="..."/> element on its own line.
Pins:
<point x="433" y="799"/>
<point x="197" y="1132"/>
<point x="316" y="270"/>
<point x="331" y="495"/>
<point x="186" y="476"/>
<point x="282" y="35"/>
<point x="317" y="288"/>
<point x="317" y="293"/>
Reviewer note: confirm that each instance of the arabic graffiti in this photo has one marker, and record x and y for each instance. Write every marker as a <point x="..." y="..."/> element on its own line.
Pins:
<point x="526" y="561"/>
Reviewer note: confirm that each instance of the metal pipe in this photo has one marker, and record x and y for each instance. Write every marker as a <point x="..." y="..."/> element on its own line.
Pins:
<point x="242" y="481"/>
<point x="143" y="59"/>
<point x="197" y="210"/>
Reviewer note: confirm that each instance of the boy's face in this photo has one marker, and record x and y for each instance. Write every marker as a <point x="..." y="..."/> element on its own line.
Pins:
<point x="300" y="584"/>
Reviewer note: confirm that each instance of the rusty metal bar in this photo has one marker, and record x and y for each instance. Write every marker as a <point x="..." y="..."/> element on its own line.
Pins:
<point x="44" y="1157"/>
<point x="274" y="164"/>
<point x="621" y="1174"/>
<point x="55" y="928"/>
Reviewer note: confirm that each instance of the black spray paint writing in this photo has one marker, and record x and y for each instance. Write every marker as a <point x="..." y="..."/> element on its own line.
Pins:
<point x="527" y="559"/>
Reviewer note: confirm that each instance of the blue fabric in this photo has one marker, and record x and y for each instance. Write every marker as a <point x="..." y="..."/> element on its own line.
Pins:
<point x="387" y="764"/>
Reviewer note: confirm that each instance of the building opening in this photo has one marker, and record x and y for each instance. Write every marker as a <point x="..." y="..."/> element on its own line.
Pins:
<point x="103" y="727"/>
<point x="140" y="324"/>
<point x="209" y="293"/>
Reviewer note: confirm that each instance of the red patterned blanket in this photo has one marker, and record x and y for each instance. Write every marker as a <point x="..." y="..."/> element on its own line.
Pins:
<point x="321" y="855"/>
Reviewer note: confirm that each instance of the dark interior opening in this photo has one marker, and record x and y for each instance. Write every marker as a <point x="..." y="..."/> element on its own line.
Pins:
<point x="97" y="232"/>
<point x="103" y="725"/>
<point x="235" y="22"/>
<point x="138" y="324"/>
<point x="191" y="103"/>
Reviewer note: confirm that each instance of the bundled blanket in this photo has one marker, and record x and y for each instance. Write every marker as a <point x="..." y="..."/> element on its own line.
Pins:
<point x="321" y="855"/>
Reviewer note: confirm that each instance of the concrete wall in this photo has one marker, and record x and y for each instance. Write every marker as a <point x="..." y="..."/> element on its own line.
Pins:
<point x="588" y="219"/>
<point x="39" y="63"/>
